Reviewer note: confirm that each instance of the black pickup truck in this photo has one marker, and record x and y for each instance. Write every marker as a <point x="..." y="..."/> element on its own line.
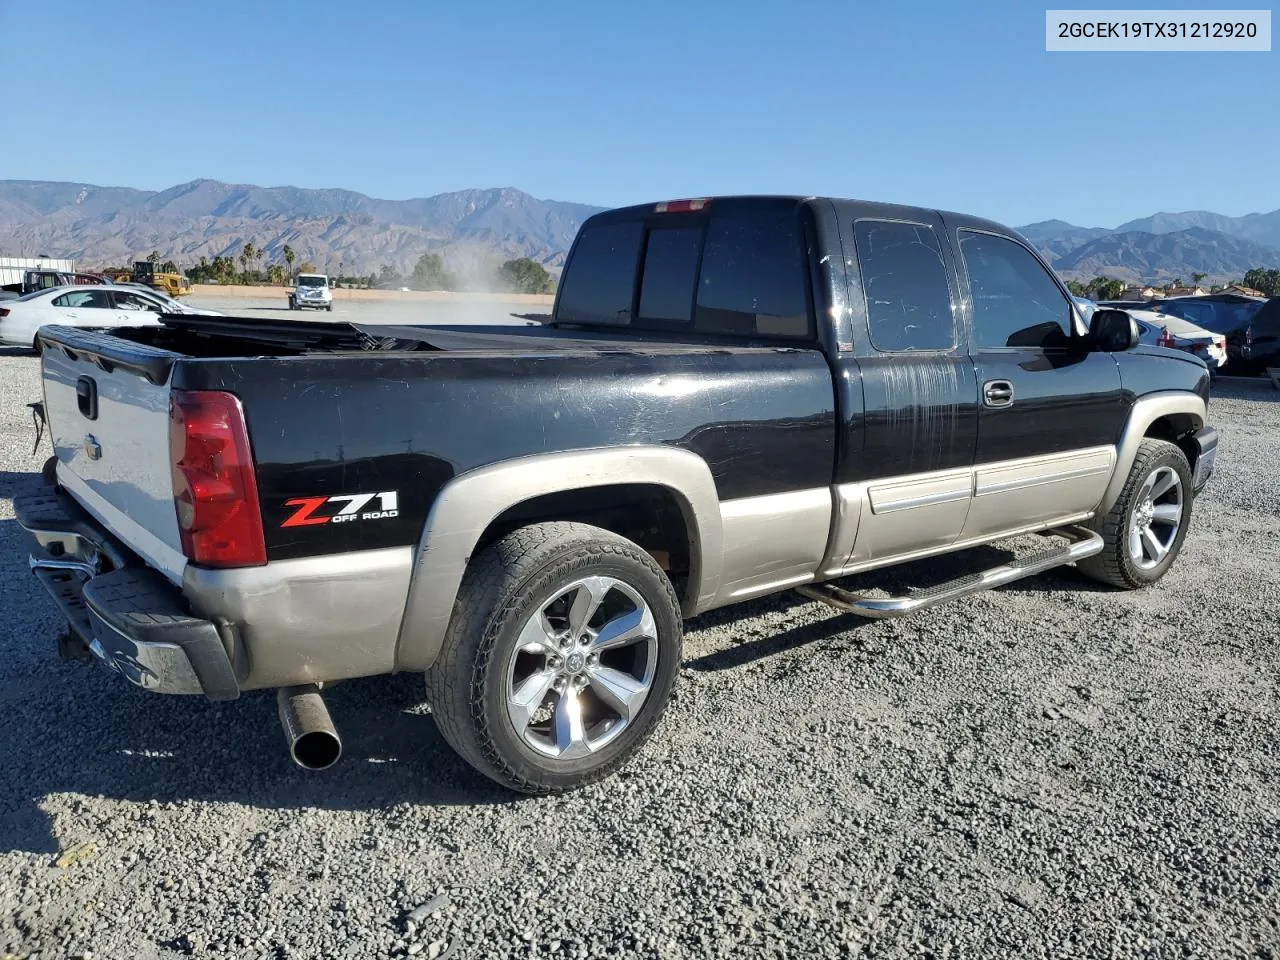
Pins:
<point x="733" y="396"/>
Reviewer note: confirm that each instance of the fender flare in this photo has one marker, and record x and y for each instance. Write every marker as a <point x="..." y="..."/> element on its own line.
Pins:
<point x="471" y="501"/>
<point x="1146" y="411"/>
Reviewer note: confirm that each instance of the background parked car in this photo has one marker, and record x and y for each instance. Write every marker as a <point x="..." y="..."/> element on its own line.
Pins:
<point x="78" y="306"/>
<point x="1259" y="341"/>
<point x="166" y="302"/>
<point x="1162" y="329"/>
<point x="1232" y="316"/>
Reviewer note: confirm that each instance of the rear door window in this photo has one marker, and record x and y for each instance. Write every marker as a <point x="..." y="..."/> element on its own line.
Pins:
<point x="753" y="278"/>
<point x="904" y="279"/>
<point x="670" y="272"/>
<point x="600" y="276"/>
<point x="84" y="298"/>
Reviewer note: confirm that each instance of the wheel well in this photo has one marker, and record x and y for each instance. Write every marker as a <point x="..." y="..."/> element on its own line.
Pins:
<point x="649" y="515"/>
<point x="1178" y="429"/>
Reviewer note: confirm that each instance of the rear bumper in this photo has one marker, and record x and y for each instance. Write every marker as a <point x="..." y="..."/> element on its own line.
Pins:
<point x="1206" y="440"/>
<point x="130" y="617"/>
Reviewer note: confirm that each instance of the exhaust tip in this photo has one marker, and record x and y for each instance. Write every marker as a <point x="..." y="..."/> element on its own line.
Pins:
<point x="313" y="742"/>
<point x="316" y="750"/>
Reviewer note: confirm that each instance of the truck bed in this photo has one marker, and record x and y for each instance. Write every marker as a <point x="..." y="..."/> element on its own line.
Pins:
<point x="339" y="409"/>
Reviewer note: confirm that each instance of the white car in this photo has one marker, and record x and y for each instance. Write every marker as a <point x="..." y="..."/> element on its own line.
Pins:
<point x="1166" y="330"/>
<point x="167" y="303"/>
<point x="79" y="306"/>
<point x="311" y="290"/>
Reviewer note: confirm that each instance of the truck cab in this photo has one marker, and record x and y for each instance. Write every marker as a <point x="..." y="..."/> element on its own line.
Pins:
<point x="311" y="291"/>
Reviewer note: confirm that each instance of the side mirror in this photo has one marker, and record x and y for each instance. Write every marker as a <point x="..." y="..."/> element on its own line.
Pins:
<point x="1113" y="331"/>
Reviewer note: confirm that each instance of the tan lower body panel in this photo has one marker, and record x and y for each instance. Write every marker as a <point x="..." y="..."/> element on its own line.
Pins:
<point x="318" y="618"/>
<point x="911" y="513"/>
<point x="1019" y="492"/>
<point x="772" y="542"/>
<point x="895" y="519"/>
<point x="872" y="563"/>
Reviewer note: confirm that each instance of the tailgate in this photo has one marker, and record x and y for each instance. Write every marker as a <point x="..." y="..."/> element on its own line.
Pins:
<point x="110" y="427"/>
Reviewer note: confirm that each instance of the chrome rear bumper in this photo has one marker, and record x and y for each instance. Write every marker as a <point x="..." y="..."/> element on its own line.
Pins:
<point x="130" y="617"/>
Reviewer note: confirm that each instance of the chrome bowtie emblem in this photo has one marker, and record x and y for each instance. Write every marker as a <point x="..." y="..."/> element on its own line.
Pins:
<point x="92" y="447"/>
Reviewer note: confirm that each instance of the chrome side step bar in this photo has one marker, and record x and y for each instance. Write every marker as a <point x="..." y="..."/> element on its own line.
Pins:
<point x="1084" y="543"/>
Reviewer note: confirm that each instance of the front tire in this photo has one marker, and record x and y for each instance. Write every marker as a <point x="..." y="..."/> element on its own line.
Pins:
<point x="1144" y="532"/>
<point x="560" y="657"/>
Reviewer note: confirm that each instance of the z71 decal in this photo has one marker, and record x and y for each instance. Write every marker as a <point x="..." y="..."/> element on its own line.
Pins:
<point x="313" y="511"/>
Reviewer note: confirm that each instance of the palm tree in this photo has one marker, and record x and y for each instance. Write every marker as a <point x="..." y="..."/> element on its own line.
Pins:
<point x="246" y="254"/>
<point x="288" y="256"/>
<point x="1197" y="277"/>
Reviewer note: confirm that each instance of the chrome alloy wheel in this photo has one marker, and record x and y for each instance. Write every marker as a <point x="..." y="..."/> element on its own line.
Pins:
<point x="1156" y="517"/>
<point x="582" y="668"/>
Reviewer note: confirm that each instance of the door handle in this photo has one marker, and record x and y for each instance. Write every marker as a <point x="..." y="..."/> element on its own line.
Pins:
<point x="997" y="393"/>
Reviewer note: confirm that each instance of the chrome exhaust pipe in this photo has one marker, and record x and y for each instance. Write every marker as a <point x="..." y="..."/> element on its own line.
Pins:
<point x="313" y="740"/>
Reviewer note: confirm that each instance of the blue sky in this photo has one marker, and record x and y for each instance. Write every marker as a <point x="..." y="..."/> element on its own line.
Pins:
<point x="938" y="103"/>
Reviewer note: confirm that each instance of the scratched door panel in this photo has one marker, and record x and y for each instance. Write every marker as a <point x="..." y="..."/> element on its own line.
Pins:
<point x="915" y="386"/>
<point x="920" y="415"/>
<point x="913" y="380"/>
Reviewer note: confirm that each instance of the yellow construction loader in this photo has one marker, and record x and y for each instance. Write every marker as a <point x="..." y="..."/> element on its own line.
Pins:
<point x="174" y="284"/>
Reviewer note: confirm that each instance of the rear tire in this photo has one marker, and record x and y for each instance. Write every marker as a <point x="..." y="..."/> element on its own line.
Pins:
<point x="1144" y="532"/>
<point x="560" y="657"/>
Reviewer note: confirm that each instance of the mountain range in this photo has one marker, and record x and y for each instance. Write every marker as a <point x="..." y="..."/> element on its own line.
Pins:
<point x="99" y="226"/>
<point x="1162" y="247"/>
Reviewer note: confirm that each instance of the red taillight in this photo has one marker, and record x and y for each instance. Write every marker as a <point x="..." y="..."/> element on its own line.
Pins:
<point x="215" y="489"/>
<point x="3" y="313"/>
<point x="1164" y="340"/>
<point x="682" y="206"/>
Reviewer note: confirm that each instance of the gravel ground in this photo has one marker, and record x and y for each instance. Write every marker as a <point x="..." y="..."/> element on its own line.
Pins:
<point x="1053" y="769"/>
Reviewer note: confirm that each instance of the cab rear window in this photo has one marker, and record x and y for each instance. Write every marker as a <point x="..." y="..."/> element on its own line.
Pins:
<point x="670" y="272"/>
<point x="753" y="275"/>
<point x="741" y="271"/>
<point x="600" y="275"/>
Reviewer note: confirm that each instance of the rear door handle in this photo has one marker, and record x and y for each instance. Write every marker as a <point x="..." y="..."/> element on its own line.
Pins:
<point x="997" y="393"/>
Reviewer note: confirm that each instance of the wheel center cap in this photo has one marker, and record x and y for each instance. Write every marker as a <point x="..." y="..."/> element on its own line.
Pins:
<point x="574" y="662"/>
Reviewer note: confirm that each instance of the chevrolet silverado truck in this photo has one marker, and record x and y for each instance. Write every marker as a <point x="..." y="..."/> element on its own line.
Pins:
<point x="732" y="396"/>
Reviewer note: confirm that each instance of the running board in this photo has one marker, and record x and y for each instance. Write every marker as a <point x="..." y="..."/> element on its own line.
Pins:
<point x="1084" y="543"/>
